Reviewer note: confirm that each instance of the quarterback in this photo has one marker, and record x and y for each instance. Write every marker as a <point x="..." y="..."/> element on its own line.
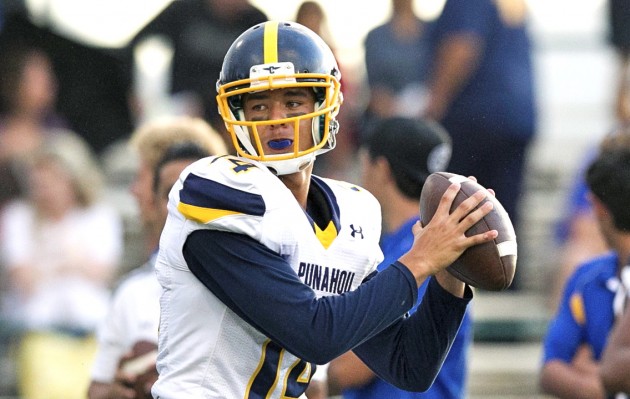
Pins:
<point x="267" y="270"/>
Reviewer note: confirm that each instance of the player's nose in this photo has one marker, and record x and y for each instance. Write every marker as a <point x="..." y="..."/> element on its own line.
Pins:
<point x="277" y="112"/>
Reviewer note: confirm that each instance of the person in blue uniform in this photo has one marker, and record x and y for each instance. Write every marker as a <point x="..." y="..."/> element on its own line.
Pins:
<point x="268" y="270"/>
<point x="397" y="157"/>
<point x="481" y="89"/>
<point x="596" y="292"/>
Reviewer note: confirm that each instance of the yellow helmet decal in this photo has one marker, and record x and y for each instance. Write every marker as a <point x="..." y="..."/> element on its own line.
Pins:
<point x="271" y="42"/>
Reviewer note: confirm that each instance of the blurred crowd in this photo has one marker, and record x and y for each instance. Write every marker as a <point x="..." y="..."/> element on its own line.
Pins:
<point x="69" y="163"/>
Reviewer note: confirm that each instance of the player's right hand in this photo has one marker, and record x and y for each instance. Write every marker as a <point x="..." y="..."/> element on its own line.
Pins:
<point x="438" y="244"/>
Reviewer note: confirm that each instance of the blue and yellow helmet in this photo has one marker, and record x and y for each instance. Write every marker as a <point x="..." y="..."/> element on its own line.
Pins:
<point x="276" y="55"/>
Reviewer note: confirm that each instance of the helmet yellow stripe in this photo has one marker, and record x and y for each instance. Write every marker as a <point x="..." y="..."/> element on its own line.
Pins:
<point x="271" y="42"/>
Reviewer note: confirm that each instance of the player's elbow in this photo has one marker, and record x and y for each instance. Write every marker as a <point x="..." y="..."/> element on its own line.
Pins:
<point x="324" y="356"/>
<point x="420" y="386"/>
<point x="408" y="379"/>
<point x="317" y="351"/>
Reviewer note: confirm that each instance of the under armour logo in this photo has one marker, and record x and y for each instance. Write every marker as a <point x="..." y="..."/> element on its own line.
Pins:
<point x="272" y="69"/>
<point x="356" y="232"/>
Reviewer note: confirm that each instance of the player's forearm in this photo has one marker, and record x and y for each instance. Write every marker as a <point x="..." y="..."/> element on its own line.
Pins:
<point x="566" y="382"/>
<point x="234" y="267"/>
<point x="420" y="343"/>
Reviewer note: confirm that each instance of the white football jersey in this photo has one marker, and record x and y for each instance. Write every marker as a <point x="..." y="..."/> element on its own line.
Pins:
<point x="206" y="350"/>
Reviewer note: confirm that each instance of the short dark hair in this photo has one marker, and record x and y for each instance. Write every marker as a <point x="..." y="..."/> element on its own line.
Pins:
<point x="414" y="148"/>
<point x="177" y="152"/>
<point x="608" y="178"/>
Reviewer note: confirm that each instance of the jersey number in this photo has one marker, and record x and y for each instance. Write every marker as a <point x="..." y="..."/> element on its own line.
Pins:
<point x="239" y="165"/>
<point x="269" y="374"/>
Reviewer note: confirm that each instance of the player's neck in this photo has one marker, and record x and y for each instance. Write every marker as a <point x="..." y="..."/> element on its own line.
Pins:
<point x="299" y="183"/>
<point x="397" y="212"/>
<point x="623" y="249"/>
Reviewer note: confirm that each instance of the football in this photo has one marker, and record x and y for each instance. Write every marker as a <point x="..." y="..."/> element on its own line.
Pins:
<point x="140" y="364"/>
<point x="491" y="265"/>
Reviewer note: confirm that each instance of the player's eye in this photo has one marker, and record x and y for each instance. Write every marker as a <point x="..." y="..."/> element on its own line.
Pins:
<point x="258" y="107"/>
<point x="293" y="104"/>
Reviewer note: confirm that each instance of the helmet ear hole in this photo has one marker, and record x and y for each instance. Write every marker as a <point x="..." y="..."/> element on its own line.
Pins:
<point x="320" y="95"/>
<point x="235" y="102"/>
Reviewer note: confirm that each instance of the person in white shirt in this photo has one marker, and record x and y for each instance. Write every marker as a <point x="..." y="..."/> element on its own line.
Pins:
<point x="61" y="246"/>
<point x="165" y="148"/>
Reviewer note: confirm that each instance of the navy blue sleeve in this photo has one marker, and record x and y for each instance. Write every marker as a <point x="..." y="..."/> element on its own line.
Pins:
<point x="262" y="288"/>
<point x="417" y="345"/>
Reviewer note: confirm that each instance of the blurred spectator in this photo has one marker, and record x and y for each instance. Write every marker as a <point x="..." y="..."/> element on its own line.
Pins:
<point x="93" y="82"/>
<point x="578" y="233"/>
<point x="165" y="147"/>
<point x="150" y="141"/>
<point x="200" y="33"/>
<point x="596" y="292"/>
<point x="28" y="92"/>
<point x="60" y="247"/>
<point x="397" y="158"/>
<point x="311" y="14"/>
<point x="336" y="164"/>
<point x="397" y="64"/>
<point x="481" y="90"/>
<point x="619" y="31"/>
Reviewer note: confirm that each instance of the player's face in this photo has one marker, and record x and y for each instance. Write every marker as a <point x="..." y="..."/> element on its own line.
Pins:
<point x="169" y="173"/>
<point x="51" y="188"/>
<point x="279" y="104"/>
<point x="142" y="190"/>
<point x="370" y="175"/>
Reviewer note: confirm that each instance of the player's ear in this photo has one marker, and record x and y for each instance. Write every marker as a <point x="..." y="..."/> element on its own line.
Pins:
<point x="384" y="169"/>
<point x="599" y="209"/>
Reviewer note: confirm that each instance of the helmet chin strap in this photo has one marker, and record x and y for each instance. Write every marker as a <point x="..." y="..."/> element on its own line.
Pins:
<point x="290" y="166"/>
<point x="242" y="133"/>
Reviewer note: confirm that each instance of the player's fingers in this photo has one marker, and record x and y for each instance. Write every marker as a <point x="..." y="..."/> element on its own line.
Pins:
<point x="482" y="237"/>
<point x="446" y="201"/>
<point x="468" y="205"/>
<point x="417" y="228"/>
<point x="475" y="216"/>
<point x="491" y="191"/>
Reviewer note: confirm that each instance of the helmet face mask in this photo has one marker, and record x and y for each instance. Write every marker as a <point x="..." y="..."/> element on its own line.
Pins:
<point x="274" y="56"/>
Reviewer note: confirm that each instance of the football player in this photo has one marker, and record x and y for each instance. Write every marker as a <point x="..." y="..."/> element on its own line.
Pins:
<point x="268" y="270"/>
<point x="596" y="293"/>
